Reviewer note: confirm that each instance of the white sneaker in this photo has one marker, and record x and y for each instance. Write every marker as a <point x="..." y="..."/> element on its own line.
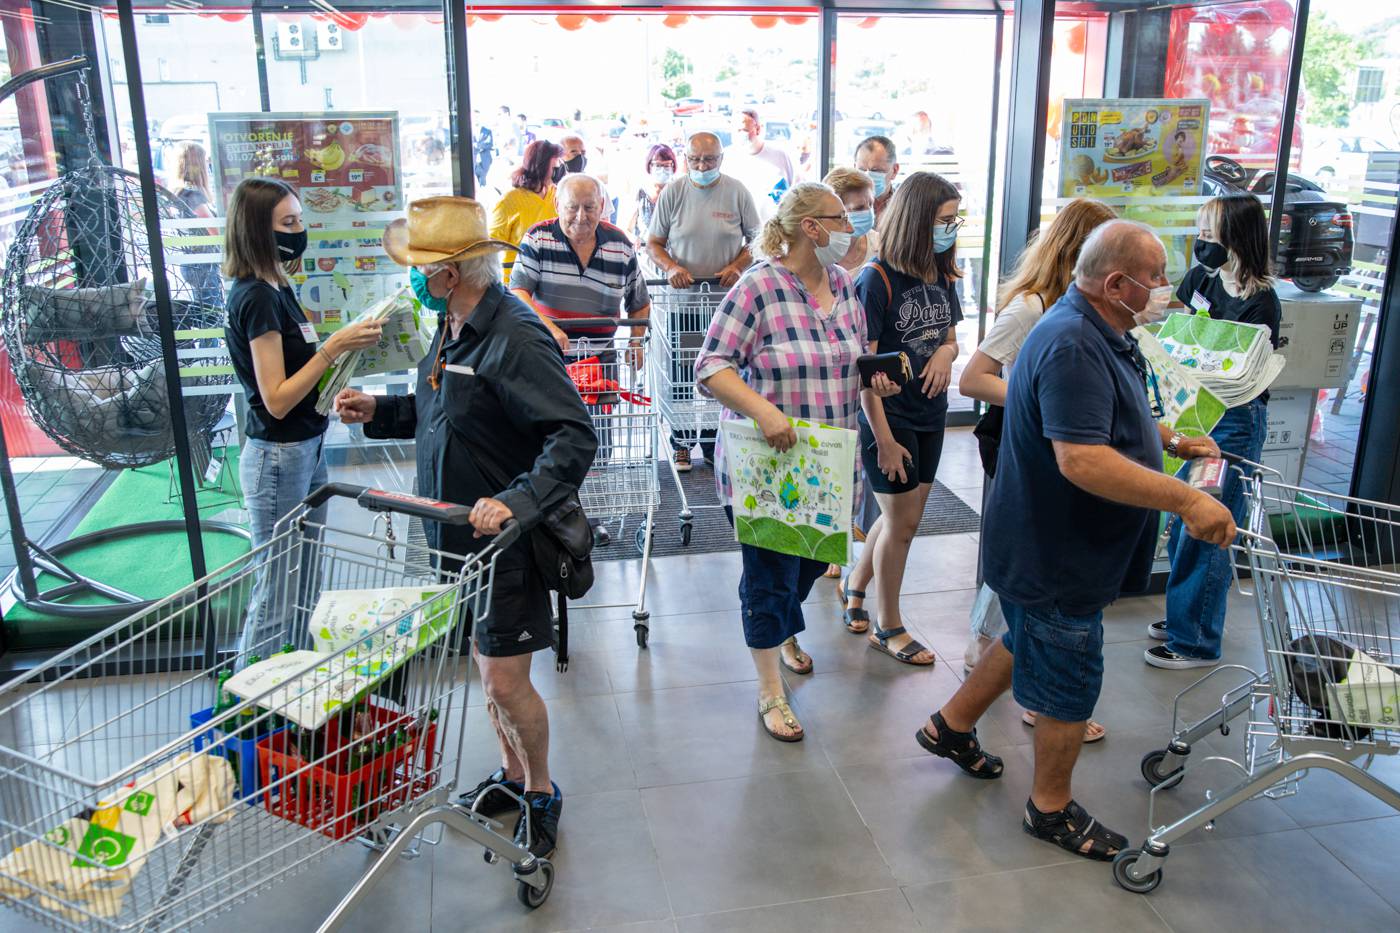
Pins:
<point x="1158" y="630"/>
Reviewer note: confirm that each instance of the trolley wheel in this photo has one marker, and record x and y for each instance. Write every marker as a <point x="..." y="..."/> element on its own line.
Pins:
<point x="1152" y="770"/>
<point x="1126" y="860"/>
<point x="526" y="893"/>
<point x="686" y="529"/>
<point x="643" y="632"/>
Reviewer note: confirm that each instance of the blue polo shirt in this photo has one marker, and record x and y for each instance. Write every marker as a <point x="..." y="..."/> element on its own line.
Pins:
<point x="1045" y="541"/>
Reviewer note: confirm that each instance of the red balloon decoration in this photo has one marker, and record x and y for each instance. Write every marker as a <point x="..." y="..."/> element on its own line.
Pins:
<point x="765" y="22"/>
<point x="795" y="20"/>
<point x="232" y="17"/>
<point x="600" y="17"/>
<point x="490" y="17"/>
<point x="1077" y="37"/>
<point x="868" y="23"/>
<point x="675" y="20"/>
<point x="570" y="21"/>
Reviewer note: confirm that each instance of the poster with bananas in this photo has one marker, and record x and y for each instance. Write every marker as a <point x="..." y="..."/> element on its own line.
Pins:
<point x="1132" y="147"/>
<point x="345" y="169"/>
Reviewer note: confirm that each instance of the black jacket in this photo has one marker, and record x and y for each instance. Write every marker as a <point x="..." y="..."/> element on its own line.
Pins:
<point x="506" y="421"/>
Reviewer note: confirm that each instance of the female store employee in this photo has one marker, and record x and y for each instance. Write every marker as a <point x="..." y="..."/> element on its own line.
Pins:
<point x="278" y="360"/>
<point x="1231" y="281"/>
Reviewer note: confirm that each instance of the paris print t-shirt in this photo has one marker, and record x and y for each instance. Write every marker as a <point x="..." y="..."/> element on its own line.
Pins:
<point x="915" y="317"/>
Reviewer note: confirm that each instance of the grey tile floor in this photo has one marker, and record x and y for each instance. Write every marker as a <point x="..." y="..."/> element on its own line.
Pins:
<point x="681" y="815"/>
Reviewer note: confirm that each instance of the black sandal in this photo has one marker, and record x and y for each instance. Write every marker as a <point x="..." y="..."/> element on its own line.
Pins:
<point x="880" y="641"/>
<point x="856" y="616"/>
<point x="961" y="748"/>
<point x="1070" y="828"/>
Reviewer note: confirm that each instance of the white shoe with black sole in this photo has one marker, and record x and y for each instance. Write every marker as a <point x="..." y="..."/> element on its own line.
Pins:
<point x="1163" y="657"/>
<point x="1158" y="630"/>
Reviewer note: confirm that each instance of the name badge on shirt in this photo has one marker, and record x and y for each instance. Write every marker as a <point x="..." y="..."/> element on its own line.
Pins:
<point x="308" y="332"/>
<point x="460" y="370"/>
<point x="1201" y="303"/>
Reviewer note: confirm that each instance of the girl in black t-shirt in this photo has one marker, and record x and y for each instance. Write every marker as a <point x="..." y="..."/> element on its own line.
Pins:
<point x="911" y="306"/>
<point x="1231" y="281"/>
<point x="275" y="355"/>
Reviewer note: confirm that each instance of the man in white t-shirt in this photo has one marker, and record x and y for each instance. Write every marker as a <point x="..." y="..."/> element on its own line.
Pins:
<point x="764" y="169"/>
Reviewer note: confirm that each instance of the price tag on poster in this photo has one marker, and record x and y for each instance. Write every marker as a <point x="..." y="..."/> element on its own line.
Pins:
<point x="1132" y="147"/>
<point x="345" y="168"/>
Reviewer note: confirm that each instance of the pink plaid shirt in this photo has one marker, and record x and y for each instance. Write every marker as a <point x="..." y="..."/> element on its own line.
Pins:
<point x="770" y="331"/>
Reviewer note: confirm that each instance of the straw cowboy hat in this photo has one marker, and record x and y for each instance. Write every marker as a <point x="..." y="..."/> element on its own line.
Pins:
<point x="443" y="229"/>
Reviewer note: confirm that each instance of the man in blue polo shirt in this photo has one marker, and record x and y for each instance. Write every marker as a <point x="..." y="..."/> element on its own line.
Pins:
<point x="1071" y="522"/>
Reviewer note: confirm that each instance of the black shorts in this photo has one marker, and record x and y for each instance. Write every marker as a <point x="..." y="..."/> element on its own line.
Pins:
<point x="925" y="447"/>
<point x="519" y="619"/>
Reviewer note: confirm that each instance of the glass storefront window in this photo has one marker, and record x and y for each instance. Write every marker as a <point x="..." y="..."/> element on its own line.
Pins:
<point x="884" y="87"/>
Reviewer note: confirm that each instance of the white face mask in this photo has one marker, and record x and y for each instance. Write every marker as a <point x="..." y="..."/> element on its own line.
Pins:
<point x="837" y="244"/>
<point x="1157" y="300"/>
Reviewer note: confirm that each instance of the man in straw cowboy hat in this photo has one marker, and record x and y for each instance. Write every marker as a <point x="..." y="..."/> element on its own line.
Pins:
<point x="498" y="423"/>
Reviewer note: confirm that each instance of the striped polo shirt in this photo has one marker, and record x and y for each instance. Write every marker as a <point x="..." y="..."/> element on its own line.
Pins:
<point x="562" y="287"/>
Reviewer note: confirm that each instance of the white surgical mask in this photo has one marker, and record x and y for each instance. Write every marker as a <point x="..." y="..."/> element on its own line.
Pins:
<point x="1157" y="300"/>
<point x="835" y="249"/>
<point x="661" y="174"/>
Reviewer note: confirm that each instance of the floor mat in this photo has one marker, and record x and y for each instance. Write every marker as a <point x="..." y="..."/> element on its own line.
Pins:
<point x="710" y="532"/>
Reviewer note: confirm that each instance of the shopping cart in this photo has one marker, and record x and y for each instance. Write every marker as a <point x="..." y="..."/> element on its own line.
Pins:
<point x="682" y="317"/>
<point x="1323" y="578"/>
<point x="96" y="740"/>
<point x="603" y="359"/>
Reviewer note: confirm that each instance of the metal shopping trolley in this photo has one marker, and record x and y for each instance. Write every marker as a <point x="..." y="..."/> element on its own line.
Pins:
<point x="607" y="362"/>
<point x="100" y="744"/>
<point x="1324" y="581"/>
<point x="682" y="317"/>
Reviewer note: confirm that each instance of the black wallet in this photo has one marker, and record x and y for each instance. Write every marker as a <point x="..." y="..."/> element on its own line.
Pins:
<point x="894" y="365"/>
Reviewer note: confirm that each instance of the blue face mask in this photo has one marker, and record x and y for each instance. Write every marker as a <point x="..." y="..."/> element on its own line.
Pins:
<point x="708" y="177"/>
<point x="943" y="240"/>
<point x="419" y="282"/>
<point x="862" y="222"/>
<point x="880" y="182"/>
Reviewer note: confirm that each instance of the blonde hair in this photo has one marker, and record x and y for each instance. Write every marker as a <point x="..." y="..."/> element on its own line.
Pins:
<point x="781" y="231"/>
<point x="192" y="166"/>
<point x="844" y="180"/>
<point x="1046" y="266"/>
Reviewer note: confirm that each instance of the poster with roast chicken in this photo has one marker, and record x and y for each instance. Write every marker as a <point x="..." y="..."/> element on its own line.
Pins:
<point x="1132" y="147"/>
<point x="345" y="169"/>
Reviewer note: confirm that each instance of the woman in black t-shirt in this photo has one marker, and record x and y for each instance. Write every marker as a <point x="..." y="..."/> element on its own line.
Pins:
<point x="911" y="306"/>
<point x="275" y="355"/>
<point x="1231" y="281"/>
<point x="192" y="188"/>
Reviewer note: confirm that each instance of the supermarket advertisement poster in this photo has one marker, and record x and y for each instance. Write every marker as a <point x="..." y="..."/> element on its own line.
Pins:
<point x="1132" y="147"/>
<point x="345" y="169"/>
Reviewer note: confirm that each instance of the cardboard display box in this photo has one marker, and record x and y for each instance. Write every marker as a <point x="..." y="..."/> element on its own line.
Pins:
<point x="1316" y="336"/>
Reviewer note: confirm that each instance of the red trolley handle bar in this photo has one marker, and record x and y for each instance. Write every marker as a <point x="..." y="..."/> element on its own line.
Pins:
<point x="432" y="510"/>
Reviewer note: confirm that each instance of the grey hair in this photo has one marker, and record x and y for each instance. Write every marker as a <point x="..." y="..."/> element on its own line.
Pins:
<point x="571" y="178"/>
<point x="481" y="271"/>
<point x="1111" y="247"/>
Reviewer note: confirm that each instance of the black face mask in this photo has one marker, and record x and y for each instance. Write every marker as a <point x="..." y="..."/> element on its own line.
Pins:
<point x="290" y="246"/>
<point x="572" y="166"/>
<point x="1211" y="255"/>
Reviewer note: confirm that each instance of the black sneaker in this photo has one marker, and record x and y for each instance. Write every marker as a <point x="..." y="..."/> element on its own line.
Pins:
<point x="1158" y="630"/>
<point x="1163" y="657"/>
<point x="495" y="802"/>
<point x="544" y="822"/>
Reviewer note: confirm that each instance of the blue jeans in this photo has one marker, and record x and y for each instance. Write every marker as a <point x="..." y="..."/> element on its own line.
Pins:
<point x="1057" y="660"/>
<point x="1201" y="573"/>
<point x="276" y="478"/>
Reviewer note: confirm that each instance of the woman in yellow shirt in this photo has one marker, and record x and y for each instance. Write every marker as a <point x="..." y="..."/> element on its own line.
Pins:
<point x="529" y="201"/>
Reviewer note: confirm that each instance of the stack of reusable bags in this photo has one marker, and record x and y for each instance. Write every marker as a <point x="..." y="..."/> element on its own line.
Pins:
<point x="403" y="342"/>
<point x="1234" y="362"/>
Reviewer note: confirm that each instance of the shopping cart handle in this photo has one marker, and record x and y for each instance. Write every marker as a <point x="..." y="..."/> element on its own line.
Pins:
<point x="382" y="500"/>
<point x="566" y="324"/>
<point x="666" y="283"/>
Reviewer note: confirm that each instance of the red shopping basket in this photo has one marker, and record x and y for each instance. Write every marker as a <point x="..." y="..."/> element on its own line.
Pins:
<point x="343" y="790"/>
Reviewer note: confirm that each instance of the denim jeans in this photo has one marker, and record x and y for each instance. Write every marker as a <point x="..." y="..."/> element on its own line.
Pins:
<point x="276" y="478"/>
<point x="1201" y="573"/>
<point x="1057" y="660"/>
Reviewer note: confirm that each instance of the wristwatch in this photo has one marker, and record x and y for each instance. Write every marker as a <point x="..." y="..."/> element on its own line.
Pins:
<point x="1174" y="444"/>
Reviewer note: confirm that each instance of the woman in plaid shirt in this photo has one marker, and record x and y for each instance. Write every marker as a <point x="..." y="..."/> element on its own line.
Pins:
<point x="783" y="344"/>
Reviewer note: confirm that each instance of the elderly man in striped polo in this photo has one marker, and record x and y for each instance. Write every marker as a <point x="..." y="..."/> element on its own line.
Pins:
<point x="580" y="266"/>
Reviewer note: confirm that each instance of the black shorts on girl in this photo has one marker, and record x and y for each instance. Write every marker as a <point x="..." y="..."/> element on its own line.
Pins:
<point x="925" y="448"/>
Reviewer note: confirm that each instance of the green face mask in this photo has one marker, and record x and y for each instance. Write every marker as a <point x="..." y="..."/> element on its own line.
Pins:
<point x="419" y="282"/>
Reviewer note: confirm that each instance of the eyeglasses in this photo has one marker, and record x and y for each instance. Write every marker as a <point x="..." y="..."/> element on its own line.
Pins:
<point x="440" y="362"/>
<point x="702" y="161"/>
<point x="952" y="226"/>
<point x="843" y="217"/>
<point x="1149" y="381"/>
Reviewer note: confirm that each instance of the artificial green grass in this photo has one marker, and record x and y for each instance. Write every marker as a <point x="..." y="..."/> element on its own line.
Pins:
<point x="151" y="566"/>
